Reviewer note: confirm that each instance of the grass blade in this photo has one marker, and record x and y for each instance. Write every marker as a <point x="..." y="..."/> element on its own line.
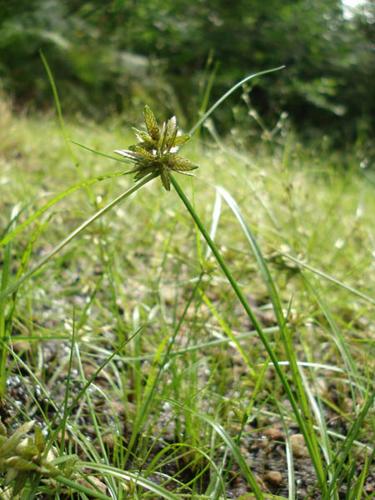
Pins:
<point x="7" y="238"/>
<point x="58" y="107"/>
<point x="12" y="288"/>
<point x="227" y="94"/>
<point x="307" y="428"/>
<point x="130" y="477"/>
<point x="332" y="279"/>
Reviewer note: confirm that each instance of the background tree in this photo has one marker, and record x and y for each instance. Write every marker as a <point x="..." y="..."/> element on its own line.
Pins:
<point x="114" y="55"/>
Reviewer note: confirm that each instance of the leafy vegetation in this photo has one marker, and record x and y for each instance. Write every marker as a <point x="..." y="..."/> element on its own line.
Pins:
<point x="117" y="55"/>
<point x="223" y="351"/>
<point x="210" y="336"/>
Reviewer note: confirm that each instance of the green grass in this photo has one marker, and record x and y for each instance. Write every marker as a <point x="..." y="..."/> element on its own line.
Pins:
<point x="131" y="346"/>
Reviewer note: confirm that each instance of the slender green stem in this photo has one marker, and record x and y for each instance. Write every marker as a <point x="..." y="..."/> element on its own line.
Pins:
<point x="257" y="326"/>
<point x="12" y="288"/>
<point x="3" y="319"/>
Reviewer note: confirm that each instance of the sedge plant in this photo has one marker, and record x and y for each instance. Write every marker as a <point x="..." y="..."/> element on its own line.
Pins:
<point x="156" y="155"/>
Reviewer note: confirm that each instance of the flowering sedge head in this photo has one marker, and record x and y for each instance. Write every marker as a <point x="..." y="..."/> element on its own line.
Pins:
<point x="156" y="150"/>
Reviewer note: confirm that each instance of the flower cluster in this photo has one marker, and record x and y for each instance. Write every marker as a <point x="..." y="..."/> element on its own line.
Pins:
<point x="23" y="455"/>
<point x="156" y="150"/>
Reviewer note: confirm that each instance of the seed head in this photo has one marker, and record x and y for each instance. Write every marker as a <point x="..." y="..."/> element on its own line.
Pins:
<point x="156" y="150"/>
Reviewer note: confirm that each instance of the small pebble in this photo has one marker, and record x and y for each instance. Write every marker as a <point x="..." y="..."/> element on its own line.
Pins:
<point x="109" y="440"/>
<point x="21" y="346"/>
<point x="274" y="477"/>
<point x="274" y="433"/>
<point x="299" y="448"/>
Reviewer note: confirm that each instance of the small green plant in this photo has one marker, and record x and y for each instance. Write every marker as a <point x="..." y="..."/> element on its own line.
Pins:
<point x="156" y="154"/>
<point x="155" y="163"/>
<point x="25" y="458"/>
<point x="156" y="150"/>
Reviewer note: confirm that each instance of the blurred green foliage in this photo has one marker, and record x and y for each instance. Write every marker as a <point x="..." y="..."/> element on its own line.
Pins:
<point x="111" y="56"/>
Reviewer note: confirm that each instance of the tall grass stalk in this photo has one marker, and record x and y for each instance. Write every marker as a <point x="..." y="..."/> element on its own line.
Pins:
<point x="302" y="414"/>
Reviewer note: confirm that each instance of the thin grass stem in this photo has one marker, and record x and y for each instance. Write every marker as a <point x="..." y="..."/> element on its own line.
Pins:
<point x="321" y="476"/>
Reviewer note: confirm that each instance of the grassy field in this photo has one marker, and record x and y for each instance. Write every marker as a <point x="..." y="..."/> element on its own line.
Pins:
<point x="131" y="350"/>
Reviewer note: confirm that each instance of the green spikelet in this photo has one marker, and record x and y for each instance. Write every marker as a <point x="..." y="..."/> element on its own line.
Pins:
<point x="156" y="149"/>
<point x="151" y="123"/>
